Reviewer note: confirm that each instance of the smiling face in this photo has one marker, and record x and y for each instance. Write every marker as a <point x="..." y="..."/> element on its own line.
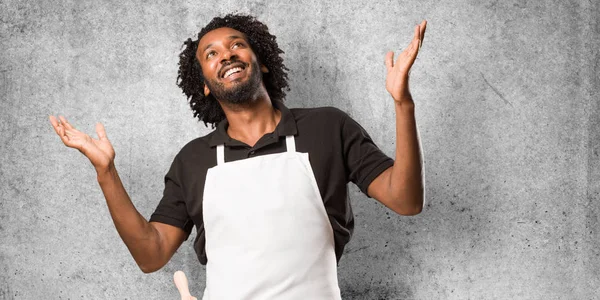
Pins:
<point x="230" y="67"/>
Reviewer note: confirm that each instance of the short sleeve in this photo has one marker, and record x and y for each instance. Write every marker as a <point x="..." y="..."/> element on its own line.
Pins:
<point x="364" y="160"/>
<point x="172" y="208"/>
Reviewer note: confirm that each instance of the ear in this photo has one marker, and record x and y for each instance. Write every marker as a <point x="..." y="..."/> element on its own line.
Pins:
<point x="206" y="90"/>
<point x="264" y="69"/>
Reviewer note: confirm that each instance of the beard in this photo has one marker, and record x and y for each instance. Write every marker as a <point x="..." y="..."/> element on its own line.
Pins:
<point x="242" y="92"/>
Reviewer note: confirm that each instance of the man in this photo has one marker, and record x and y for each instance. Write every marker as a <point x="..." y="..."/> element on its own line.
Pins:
<point x="266" y="190"/>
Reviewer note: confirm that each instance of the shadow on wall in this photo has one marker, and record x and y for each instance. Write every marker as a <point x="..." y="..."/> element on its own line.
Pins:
<point x="5" y="291"/>
<point x="370" y="274"/>
<point x="378" y="292"/>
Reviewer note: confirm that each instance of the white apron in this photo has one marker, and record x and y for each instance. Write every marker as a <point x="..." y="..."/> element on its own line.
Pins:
<point x="267" y="233"/>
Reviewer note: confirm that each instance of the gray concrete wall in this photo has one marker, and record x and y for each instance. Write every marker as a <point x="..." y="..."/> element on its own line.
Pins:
<point x="507" y="108"/>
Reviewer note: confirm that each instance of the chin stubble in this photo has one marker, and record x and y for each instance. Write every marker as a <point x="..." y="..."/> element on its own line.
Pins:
<point x="241" y="93"/>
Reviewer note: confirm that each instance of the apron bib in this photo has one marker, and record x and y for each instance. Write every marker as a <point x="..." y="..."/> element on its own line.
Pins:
<point x="268" y="235"/>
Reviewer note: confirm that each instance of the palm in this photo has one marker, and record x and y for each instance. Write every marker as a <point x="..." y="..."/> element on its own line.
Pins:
<point x="99" y="151"/>
<point x="396" y="81"/>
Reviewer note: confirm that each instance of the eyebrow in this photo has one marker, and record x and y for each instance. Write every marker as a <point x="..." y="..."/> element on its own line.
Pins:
<point x="231" y="37"/>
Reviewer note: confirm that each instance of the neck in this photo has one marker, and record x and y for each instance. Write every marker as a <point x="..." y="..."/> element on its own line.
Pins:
<point x="249" y="122"/>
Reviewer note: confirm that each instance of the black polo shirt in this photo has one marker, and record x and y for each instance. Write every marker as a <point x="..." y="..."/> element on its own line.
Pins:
<point x="339" y="150"/>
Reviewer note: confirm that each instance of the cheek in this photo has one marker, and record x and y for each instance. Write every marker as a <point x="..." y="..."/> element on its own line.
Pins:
<point x="247" y="55"/>
<point x="207" y="69"/>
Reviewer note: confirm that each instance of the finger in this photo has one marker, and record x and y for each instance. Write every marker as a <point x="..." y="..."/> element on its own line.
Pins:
<point x="62" y="134"/>
<point x="417" y="34"/>
<point x="59" y="129"/>
<point x="410" y="49"/>
<point x="69" y="133"/>
<point x="53" y="121"/>
<point x="411" y="52"/>
<point x="65" y="123"/>
<point x="101" y="132"/>
<point x="415" y="49"/>
<point x="55" y="125"/>
<point x="422" y="32"/>
<point x="389" y="60"/>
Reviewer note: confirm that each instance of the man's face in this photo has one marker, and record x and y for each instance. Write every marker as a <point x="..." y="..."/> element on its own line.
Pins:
<point x="230" y="67"/>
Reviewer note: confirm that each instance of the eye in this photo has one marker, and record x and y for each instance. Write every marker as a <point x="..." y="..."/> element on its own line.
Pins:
<point x="210" y="54"/>
<point x="236" y="45"/>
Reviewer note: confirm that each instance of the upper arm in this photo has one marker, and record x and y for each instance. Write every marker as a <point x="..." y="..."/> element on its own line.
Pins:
<point x="370" y="169"/>
<point x="367" y="166"/>
<point x="171" y="221"/>
<point x="379" y="188"/>
<point x="170" y="238"/>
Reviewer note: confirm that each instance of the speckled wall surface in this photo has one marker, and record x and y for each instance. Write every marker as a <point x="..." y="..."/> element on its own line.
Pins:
<point x="507" y="106"/>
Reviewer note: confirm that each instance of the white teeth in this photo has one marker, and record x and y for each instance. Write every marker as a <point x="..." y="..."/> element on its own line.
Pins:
<point x="231" y="71"/>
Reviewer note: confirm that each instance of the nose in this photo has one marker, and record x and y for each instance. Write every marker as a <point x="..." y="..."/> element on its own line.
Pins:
<point x="228" y="55"/>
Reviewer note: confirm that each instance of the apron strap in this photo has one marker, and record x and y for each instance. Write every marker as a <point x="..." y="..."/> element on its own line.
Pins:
<point x="220" y="154"/>
<point x="290" y="144"/>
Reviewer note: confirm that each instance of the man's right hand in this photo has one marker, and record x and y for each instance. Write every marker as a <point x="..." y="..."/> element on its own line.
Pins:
<point x="152" y="244"/>
<point x="99" y="151"/>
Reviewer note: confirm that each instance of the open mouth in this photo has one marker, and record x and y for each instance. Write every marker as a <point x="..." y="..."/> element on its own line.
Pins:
<point x="232" y="69"/>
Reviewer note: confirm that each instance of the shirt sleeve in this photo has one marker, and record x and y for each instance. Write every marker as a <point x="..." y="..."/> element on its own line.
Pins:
<point x="364" y="160"/>
<point x="172" y="208"/>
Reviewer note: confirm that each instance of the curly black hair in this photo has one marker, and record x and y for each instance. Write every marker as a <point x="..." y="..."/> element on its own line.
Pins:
<point x="264" y="45"/>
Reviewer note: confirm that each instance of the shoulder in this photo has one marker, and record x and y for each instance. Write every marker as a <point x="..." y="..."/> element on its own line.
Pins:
<point x="320" y="126"/>
<point x="326" y="114"/>
<point x="196" y="149"/>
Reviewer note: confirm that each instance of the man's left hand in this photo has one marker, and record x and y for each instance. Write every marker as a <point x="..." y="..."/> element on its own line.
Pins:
<point x="396" y="82"/>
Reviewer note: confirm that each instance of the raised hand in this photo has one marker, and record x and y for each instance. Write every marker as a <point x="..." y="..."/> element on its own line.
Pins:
<point x="181" y="283"/>
<point x="99" y="151"/>
<point x="396" y="82"/>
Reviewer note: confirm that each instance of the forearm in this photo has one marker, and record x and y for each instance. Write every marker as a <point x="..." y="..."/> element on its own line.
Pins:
<point x="406" y="183"/>
<point x="140" y="237"/>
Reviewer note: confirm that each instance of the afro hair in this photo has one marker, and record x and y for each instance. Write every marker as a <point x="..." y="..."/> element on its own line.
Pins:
<point x="264" y="45"/>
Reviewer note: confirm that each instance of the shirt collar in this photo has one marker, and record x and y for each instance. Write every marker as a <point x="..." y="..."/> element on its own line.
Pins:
<point x="285" y="127"/>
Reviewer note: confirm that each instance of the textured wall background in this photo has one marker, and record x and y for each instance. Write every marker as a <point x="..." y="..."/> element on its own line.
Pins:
<point x="507" y="107"/>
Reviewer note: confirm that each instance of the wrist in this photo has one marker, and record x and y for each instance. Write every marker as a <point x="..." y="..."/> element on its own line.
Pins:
<point x="406" y="105"/>
<point x="402" y="96"/>
<point x="105" y="172"/>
